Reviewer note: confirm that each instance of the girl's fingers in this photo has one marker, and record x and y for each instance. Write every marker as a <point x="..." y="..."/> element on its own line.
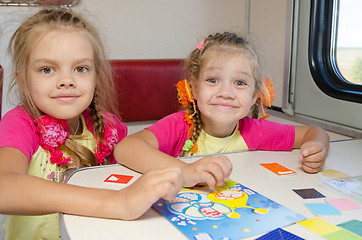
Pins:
<point x="311" y="148"/>
<point x="226" y="167"/>
<point x="218" y="167"/>
<point x="313" y="163"/>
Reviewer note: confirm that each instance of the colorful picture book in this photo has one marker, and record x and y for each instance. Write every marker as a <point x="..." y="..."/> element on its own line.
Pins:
<point x="232" y="211"/>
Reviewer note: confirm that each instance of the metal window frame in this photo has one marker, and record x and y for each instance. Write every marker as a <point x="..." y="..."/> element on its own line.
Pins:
<point x="322" y="54"/>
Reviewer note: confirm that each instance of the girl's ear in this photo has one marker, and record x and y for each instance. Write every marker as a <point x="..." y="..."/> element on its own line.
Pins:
<point x="194" y="88"/>
<point x="256" y="96"/>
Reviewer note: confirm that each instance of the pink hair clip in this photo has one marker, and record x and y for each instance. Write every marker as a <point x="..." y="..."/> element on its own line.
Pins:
<point x="200" y="46"/>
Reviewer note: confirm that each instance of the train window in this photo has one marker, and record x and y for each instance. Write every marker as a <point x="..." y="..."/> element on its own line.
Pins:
<point x="335" y="48"/>
<point x="349" y="40"/>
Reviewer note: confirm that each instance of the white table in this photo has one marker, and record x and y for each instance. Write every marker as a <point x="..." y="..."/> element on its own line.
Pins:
<point x="345" y="156"/>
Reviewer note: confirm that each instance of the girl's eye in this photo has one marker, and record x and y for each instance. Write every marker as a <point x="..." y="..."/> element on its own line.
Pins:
<point x="46" y="70"/>
<point x="81" y="69"/>
<point x="211" y="80"/>
<point x="240" y="83"/>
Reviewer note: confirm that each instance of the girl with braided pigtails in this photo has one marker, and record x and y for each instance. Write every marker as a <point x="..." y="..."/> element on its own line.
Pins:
<point x="225" y="86"/>
<point x="64" y="81"/>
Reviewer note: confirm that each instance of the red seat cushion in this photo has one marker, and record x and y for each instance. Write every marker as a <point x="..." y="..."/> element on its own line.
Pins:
<point x="147" y="87"/>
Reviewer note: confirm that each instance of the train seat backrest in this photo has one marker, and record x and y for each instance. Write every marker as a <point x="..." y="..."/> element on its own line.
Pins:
<point x="147" y="87"/>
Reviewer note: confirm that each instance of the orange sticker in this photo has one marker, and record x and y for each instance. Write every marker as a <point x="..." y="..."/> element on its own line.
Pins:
<point x="278" y="169"/>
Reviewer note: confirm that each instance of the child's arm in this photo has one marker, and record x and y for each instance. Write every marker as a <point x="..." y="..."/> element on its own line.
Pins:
<point x="140" y="152"/>
<point x="314" y="144"/>
<point x="22" y="194"/>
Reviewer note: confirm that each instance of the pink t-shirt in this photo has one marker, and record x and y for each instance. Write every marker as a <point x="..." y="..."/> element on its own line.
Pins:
<point x="17" y="130"/>
<point x="171" y="134"/>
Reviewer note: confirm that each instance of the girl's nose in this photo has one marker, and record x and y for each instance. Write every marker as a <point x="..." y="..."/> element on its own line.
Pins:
<point x="66" y="81"/>
<point x="226" y="91"/>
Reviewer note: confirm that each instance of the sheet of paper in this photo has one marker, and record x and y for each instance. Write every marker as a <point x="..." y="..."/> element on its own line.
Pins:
<point x="307" y="193"/>
<point x="343" y="203"/>
<point x="327" y="230"/>
<point x="341" y="235"/>
<point x="278" y="169"/>
<point x="335" y="174"/>
<point x="354" y="226"/>
<point x="117" y="178"/>
<point x="319" y="226"/>
<point x="322" y="209"/>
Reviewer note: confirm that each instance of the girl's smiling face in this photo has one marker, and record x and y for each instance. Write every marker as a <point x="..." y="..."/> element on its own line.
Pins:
<point x="61" y="73"/>
<point x="225" y="91"/>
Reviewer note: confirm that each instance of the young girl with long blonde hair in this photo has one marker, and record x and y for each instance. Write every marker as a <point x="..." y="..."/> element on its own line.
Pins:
<point x="64" y="82"/>
<point x="225" y="86"/>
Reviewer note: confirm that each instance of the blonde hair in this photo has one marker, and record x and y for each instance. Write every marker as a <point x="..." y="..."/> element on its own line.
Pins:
<point x="20" y="45"/>
<point x="227" y="43"/>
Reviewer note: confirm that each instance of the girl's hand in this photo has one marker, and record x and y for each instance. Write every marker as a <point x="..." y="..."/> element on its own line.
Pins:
<point x="212" y="170"/>
<point x="313" y="156"/>
<point x="314" y="144"/>
<point x="131" y="202"/>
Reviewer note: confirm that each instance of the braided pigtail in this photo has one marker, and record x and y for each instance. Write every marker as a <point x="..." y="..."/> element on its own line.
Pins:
<point x="255" y="109"/>
<point x="194" y="130"/>
<point x="84" y="157"/>
<point x="197" y="126"/>
<point x="98" y="121"/>
<point x="97" y="117"/>
<point x="192" y="116"/>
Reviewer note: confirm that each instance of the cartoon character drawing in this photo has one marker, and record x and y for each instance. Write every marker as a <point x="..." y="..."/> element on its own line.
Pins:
<point x="232" y="211"/>
<point x="202" y="203"/>
<point x="233" y="199"/>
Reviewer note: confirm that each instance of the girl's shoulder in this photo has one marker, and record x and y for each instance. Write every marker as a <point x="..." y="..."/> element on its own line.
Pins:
<point x="19" y="116"/>
<point x="177" y="116"/>
<point x="171" y="126"/>
<point x="257" y="127"/>
<point x="171" y="133"/>
<point x="257" y="123"/>
<point x="174" y="119"/>
<point x="18" y="111"/>
<point x="266" y="135"/>
<point x="17" y="130"/>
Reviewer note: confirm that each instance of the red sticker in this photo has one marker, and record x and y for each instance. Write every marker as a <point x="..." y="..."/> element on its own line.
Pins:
<point x="117" y="178"/>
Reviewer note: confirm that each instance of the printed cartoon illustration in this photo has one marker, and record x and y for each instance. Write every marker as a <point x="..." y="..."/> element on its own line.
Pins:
<point x="232" y="211"/>
<point x="201" y="203"/>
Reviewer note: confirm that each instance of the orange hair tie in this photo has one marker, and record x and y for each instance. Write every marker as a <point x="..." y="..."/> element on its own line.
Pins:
<point x="266" y="96"/>
<point x="194" y="147"/>
<point x="184" y="97"/>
